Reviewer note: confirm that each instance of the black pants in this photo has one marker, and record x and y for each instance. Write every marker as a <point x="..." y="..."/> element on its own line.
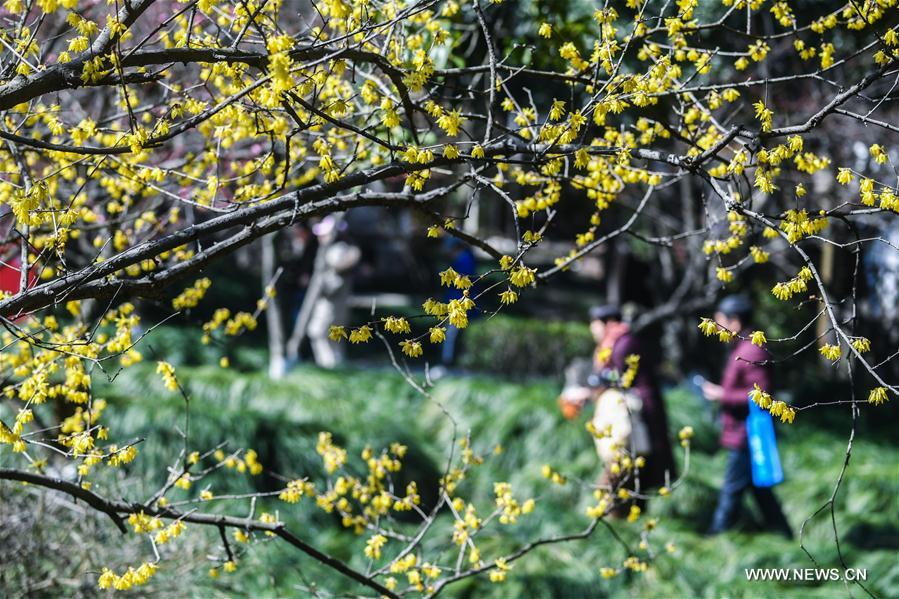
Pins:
<point x="737" y="478"/>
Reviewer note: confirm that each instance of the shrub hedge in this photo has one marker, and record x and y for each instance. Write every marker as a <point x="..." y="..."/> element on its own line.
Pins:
<point x="509" y="345"/>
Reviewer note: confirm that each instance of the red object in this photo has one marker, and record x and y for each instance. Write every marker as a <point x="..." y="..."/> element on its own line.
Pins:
<point x="11" y="276"/>
<point x="569" y="410"/>
<point x="740" y="376"/>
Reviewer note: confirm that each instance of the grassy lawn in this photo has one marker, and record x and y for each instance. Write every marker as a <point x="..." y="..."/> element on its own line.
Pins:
<point x="281" y="421"/>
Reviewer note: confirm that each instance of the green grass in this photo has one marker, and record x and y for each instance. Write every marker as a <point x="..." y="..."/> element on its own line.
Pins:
<point x="281" y="420"/>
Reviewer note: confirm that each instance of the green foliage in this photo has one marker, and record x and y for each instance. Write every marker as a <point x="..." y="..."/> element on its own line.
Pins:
<point x="280" y="420"/>
<point x="376" y="407"/>
<point x="522" y="346"/>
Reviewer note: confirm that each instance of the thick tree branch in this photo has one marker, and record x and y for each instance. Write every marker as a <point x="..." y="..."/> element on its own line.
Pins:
<point x="115" y="509"/>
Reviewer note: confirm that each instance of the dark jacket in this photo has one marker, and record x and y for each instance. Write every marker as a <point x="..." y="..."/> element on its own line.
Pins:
<point x="653" y="410"/>
<point x="742" y="372"/>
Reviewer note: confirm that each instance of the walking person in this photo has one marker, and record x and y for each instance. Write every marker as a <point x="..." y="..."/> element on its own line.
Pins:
<point x="615" y="344"/>
<point x="326" y="301"/>
<point x="747" y="365"/>
<point x="627" y="416"/>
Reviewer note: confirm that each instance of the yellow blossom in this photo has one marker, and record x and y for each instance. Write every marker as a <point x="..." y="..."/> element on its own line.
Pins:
<point x="831" y="352"/>
<point x="374" y="545"/>
<point x="758" y="338"/>
<point x="877" y="396"/>
<point x="411" y="348"/>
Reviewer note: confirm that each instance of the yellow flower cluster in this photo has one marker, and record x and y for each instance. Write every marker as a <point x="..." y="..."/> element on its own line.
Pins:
<point x="118" y="456"/>
<point x="709" y="327"/>
<point x="395" y="324"/>
<point x="411" y="348"/>
<point x="295" y="490"/>
<point x="248" y="463"/>
<point x="798" y="284"/>
<point x="861" y="344"/>
<point x="877" y="396"/>
<point x="777" y="408"/>
<point x="333" y="456"/>
<point x="374" y="545"/>
<point x="190" y="297"/>
<point x="764" y="114"/>
<point x="220" y="316"/>
<point x="242" y="321"/>
<point x="130" y="579"/>
<point x="633" y="365"/>
<point x="831" y="352"/>
<point x="168" y="375"/>
<point x="685" y="434"/>
<point x="498" y="573"/>
<point x="141" y="522"/>
<point x="522" y="276"/>
<point x="510" y="508"/>
<point x="361" y="334"/>
<point x="170" y="532"/>
<point x="552" y="475"/>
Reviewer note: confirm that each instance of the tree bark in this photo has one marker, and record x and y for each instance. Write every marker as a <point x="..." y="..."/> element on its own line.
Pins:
<point x="277" y="365"/>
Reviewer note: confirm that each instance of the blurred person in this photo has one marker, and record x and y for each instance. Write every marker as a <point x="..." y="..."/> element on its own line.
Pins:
<point x="329" y="290"/>
<point x="615" y="342"/>
<point x="635" y="416"/>
<point x="747" y="365"/>
<point x="577" y="391"/>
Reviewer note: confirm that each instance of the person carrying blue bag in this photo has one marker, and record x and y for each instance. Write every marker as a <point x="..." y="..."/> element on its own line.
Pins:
<point x="748" y="436"/>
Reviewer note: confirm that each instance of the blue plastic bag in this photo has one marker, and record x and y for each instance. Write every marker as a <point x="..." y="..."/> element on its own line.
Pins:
<point x="766" y="468"/>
